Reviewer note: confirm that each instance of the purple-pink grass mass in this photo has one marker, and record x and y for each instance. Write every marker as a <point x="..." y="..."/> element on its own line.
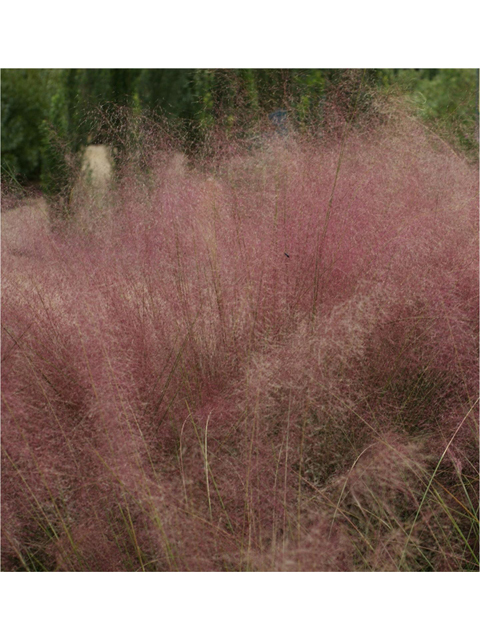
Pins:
<point x="263" y="359"/>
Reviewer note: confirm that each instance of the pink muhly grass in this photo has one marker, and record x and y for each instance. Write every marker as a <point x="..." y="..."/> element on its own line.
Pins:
<point x="170" y="401"/>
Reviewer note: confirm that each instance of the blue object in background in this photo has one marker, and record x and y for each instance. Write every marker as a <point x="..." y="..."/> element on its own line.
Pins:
<point x="279" y="119"/>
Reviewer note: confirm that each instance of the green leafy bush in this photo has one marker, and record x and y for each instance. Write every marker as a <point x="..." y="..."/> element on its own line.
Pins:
<point x="26" y="95"/>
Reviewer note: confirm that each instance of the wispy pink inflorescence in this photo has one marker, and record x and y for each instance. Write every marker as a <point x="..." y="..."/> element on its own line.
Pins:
<point x="251" y="360"/>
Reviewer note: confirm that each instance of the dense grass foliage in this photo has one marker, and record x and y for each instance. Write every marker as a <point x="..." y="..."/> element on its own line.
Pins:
<point x="264" y="361"/>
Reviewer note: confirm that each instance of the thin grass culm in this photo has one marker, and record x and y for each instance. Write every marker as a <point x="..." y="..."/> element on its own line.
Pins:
<point x="251" y="356"/>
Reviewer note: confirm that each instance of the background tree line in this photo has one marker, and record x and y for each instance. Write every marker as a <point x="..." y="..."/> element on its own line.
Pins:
<point x="49" y="113"/>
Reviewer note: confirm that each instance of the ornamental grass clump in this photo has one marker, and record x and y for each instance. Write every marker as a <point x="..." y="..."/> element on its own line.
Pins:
<point x="264" y="359"/>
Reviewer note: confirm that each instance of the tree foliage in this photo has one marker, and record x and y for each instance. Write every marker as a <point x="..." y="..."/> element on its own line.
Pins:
<point x="75" y="103"/>
<point x="26" y="97"/>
